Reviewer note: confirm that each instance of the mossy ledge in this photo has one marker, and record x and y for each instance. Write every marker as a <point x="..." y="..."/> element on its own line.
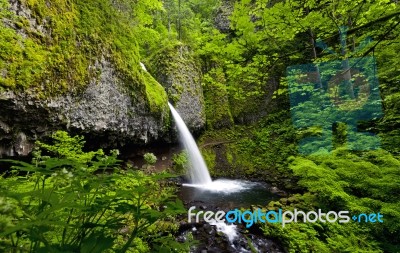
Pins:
<point x="50" y="47"/>
<point x="75" y="65"/>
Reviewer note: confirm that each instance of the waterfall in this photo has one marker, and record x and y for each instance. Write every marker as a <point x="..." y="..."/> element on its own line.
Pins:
<point x="143" y="66"/>
<point x="198" y="171"/>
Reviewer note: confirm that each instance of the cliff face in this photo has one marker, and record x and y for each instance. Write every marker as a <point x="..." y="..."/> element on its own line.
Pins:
<point x="74" y="67"/>
<point x="221" y="19"/>
<point x="103" y="110"/>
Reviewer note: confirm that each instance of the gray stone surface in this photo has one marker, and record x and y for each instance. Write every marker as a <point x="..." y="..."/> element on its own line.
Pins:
<point x="224" y="11"/>
<point x="20" y="10"/>
<point x="104" y="111"/>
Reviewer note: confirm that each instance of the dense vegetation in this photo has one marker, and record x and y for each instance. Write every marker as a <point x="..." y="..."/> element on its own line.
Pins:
<point x="265" y="38"/>
<point x="68" y="200"/>
<point x="245" y="49"/>
<point x="246" y="64"/>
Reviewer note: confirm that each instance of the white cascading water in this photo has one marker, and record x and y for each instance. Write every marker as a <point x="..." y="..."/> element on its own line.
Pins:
<point x="198" y="171"/>
<point x="200" y="177"/>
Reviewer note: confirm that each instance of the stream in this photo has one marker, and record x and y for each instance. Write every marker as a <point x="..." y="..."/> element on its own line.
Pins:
<point x="225" y="195"/>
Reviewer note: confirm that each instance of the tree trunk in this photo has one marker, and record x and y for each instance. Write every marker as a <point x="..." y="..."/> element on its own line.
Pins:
<point x="314" y="56"/>
<point x="346" y="74"/>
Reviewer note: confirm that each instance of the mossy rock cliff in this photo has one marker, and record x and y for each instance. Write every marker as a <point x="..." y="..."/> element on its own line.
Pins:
<point x="175" y="67"/>
<point x="75" y="65"/>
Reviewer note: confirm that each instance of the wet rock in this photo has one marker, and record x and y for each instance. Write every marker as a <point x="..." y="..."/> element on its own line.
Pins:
<point x="22" y="146"/>
<point x="278" y="191"/>
<point x="211" y="240"/>
<point x="209" y="229"/>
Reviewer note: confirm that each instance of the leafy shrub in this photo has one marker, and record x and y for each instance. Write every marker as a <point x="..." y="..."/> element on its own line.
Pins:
<point x="83" y="202"/>
<point x="364" y="182"/>
<point x="256" y="151"/>
<point x="150" y="158"/>
<point x="180" y="162"/>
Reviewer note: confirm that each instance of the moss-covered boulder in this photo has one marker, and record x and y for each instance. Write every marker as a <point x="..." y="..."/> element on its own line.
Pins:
<point x="175" y="67"/>
<point x="75" y="65"/>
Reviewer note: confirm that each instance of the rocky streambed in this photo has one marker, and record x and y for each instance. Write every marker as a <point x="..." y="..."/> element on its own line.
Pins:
<point x="224" y="237"/>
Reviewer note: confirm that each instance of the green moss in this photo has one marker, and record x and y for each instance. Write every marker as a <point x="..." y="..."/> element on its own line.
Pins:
<point x="76" y="35"/>
<point x="240" y="160"/>
<point x="229" y="157"/>
<point x="155" y="94"/>
<point x="209" y="157"/>
<point x="176" y="93"/>
<point x="256" y="151"/>
<point x="20" y="58"/>
<point x="176" y="62"/>
<point x="218" y="113"/>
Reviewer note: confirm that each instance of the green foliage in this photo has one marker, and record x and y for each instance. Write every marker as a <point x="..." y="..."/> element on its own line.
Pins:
<point x="68" y="147"/>
<point x="242" y="68"/>
<point x="306" y="237"/>
<point x="209" y="158"/>
<point x="257" y="151"/>
<point x="244" y="65"/>
<point x="366" y="182"/>
<point x="266" y="37"/>
<point x="180" y="162"/>
<point x="177" y="20"/>
<point x="150" y="158"/>
<point x="218" y="113"/>
<point x="83" y="202"/>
